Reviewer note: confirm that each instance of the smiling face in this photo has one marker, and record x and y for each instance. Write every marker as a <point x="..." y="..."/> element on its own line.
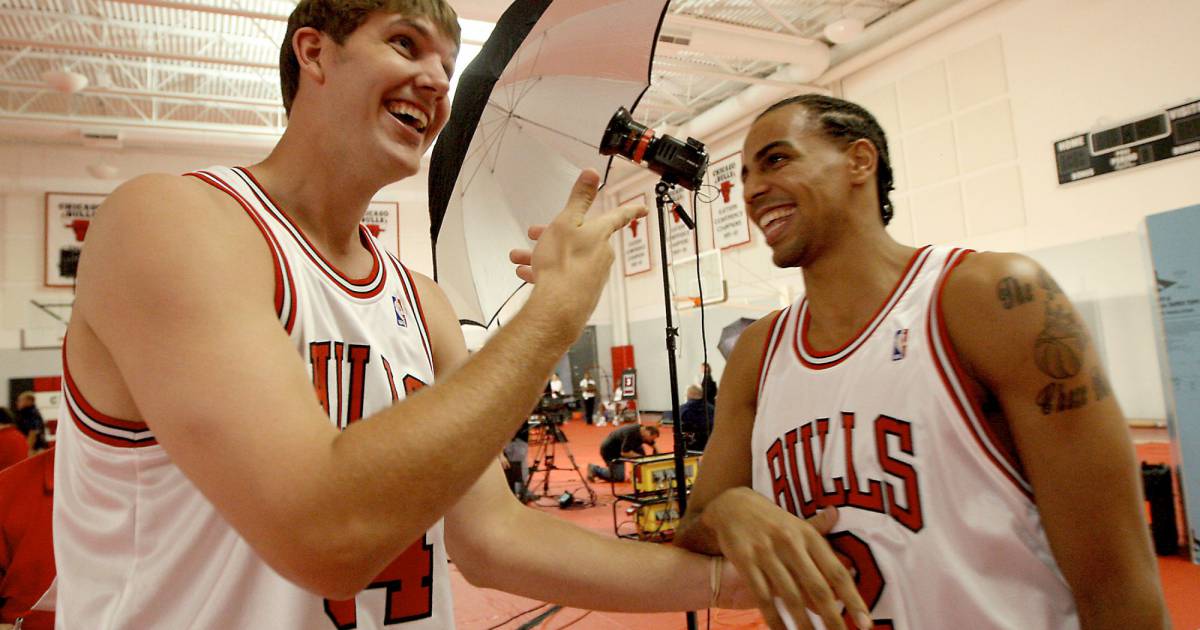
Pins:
<point x="386" y="89"/>
<point x="796" y="184"/>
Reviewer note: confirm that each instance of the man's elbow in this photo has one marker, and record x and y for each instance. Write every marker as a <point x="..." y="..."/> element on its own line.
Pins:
<point x="477" y="560"/>
<point x="334" y="566"/>
<point x="333" y="572"/>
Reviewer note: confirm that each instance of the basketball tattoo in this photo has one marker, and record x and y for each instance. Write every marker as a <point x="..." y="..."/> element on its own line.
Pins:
<point x="1059" y="348"/>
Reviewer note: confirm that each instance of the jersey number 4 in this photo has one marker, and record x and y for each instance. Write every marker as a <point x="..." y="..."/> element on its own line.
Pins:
<point x="857" y="556"/>
<point x="409" y="583"/>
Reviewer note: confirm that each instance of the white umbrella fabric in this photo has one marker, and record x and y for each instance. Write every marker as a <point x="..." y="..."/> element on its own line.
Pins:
<point x="553" y="73"/>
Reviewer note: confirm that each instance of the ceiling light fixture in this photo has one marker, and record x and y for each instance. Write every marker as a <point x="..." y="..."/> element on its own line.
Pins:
<point x="844" y="30"/>
<point x="65" y="81"/>
<point x="102" y="170"/>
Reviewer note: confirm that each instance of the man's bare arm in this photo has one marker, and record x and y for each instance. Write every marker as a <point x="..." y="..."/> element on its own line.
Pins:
<point x="778" y="554"/>
<point x="1022" y="339"/>
<point x="207" y="365"/>
<point x="498" y="543"/>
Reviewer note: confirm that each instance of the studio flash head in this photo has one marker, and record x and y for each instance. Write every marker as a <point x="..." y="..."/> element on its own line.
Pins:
<point x="677" y="162"/>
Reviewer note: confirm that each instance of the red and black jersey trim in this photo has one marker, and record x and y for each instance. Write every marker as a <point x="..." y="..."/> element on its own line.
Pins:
<point x="951" y="372"/>
<point x="819" y="361"/>
<point x="98" y="426"/>
<point x="770" y="346"/>
<point x="414" y="303"/>
<point x="365" y="288"/>
<point x="285" y="285"/>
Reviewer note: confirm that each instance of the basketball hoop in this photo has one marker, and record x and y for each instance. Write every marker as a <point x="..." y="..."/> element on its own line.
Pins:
<point x="686" y="301"/>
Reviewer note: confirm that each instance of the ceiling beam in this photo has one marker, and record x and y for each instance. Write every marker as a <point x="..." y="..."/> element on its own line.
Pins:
<point x="257" y="103"/>
<point x="778" y="17"/>
<point x="667" y="65"/>
<point x="199" y="8"/>
<point x="152" y="54"/>
<point x="698" y="23"/>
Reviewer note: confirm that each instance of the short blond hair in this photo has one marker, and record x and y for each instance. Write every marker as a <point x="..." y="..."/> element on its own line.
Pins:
<point x="339" y="18"/>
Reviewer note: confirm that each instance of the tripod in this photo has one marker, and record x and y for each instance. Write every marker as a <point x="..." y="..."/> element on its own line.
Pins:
<point x="544" y="438"/>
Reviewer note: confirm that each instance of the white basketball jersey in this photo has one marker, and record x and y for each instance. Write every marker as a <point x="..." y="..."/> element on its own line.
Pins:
<point x="935" y="520"/>
<point x="138" y="546"/>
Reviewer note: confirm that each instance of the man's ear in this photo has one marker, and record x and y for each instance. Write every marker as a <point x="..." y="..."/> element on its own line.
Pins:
<point x="307" y="44"/>
<point x="863" y="159"/>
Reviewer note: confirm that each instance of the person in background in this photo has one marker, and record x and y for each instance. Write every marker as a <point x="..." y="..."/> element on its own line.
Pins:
<point x="26" y="543"/>
<point x="13" y="445"/>
<point x="587" y="391"/>
<point x="696" y="417"/>
<point x="554" y="386"/>
<point x="625" y="442"/>
<point x="30" y="422"/>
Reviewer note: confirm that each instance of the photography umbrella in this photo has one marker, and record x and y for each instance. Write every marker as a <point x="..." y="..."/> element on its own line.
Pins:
<point x="527" y="117"/>
<point x="730" y="334"/>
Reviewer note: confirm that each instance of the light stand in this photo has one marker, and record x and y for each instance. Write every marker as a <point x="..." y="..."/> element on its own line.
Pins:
<point x="662" y="196"/>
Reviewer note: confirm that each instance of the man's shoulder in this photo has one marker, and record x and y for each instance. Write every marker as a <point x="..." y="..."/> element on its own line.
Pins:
<point x="160" y="206"/>
<point x="992" y="282"/>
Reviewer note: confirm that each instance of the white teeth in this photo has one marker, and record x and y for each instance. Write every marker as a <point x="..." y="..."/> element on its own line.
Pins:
<point x="781" y="213"/>
<point x="401" y="108"/>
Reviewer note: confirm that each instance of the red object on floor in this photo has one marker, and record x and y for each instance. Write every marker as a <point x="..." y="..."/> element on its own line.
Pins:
<point x="622" y="358"/>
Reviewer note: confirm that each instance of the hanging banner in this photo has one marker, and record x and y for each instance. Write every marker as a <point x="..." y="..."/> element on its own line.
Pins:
<point x="679" y="237"/>
<point x="731" y="227"/>
<point x="383" y="220"/>
<point x="635" y="241"/>
<point x="68" y="216"/>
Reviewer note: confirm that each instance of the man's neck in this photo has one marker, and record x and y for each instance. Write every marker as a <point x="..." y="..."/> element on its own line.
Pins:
<point x="848" y="282"/>
<point x="325" y="198"/>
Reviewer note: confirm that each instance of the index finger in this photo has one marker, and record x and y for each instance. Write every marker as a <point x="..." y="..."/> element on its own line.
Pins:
<point x="621" y="216"/>
<point x="583" y="193"/>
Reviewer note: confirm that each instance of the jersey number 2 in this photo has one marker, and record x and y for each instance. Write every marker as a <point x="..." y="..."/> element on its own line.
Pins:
<point x="857" y="556"/>
<point x="409" y="583"/>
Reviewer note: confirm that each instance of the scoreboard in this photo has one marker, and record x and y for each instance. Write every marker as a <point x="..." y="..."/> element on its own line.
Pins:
<point x="1153" y="138"/>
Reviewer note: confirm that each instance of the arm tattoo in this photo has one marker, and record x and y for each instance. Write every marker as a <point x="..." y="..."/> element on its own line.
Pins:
<point x="1046" y="281"/>
<point x="1056" y="397"/>
<point x="1058" y="350"/>
<point x="1100" y="384"/>
<point x="1013" y="293"/>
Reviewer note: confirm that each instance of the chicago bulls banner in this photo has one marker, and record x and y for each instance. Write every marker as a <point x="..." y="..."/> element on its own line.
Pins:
<point x="383" y="220"/>
<point x="68" y="216"/>
<point x="730" y="225"/>
<point x="635" y="241"/>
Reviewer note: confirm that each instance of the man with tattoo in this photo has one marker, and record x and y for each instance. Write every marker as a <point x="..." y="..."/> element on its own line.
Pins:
<point x="945" y="410"/>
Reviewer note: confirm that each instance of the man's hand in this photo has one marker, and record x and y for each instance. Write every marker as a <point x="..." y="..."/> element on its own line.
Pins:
<point x="571" y="258"/>
<point x="781" y="556"/>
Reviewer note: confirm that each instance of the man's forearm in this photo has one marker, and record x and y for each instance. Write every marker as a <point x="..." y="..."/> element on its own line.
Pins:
<point x="455" y="428"/>
<point x="541" y="557"/>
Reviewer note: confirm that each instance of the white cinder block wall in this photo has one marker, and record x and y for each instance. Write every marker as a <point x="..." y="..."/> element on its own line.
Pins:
<point x="971" y="115"/>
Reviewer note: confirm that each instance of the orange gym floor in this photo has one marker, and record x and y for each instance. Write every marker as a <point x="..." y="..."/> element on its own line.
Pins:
<point x="483" y="609"/>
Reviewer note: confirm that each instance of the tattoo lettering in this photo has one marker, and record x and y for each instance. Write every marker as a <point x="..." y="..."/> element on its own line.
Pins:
<point x="1058" y="350"/>
<point x="1100" y="384"/>
<point x="1046" y="281"/>
<point x="1055" y="397"/>
<point x="1013" y="293"/>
